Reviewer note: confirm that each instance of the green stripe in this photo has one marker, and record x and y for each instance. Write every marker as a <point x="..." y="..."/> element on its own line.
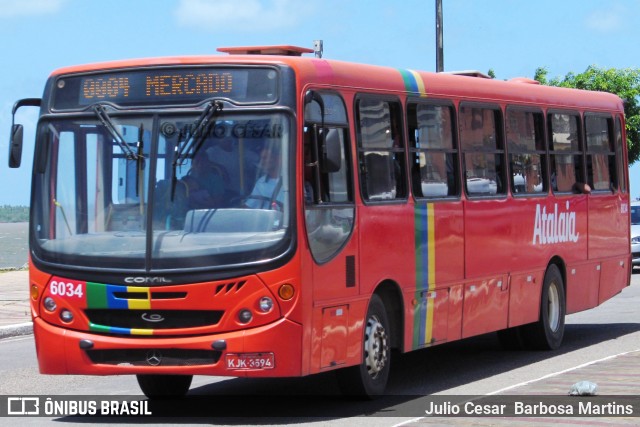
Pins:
<point x="419" y="275"/>
<point x="409" y="81"/>
<point x="99" y="328"/>
<point x="96" y="295"/>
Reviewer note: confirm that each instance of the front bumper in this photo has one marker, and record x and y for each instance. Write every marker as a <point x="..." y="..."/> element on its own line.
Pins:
<point x="64" y="351"/>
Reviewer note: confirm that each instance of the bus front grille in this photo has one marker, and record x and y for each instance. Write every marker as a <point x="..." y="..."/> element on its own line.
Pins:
<point x="153" y="319"/>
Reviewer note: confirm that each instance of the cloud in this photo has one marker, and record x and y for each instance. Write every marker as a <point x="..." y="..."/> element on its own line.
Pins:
<point x="606" y="21"/>
<point x="12" y="8"/>
<point x="244" y="16"/>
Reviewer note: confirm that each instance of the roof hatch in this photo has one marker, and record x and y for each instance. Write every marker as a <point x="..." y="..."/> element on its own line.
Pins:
<point x="266" y="50"/>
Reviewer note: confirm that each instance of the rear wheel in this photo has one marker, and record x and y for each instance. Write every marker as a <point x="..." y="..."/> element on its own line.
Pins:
<point x="369" y="378"/>
<point x="155" y="386"/>
<point x="548" y="331"/>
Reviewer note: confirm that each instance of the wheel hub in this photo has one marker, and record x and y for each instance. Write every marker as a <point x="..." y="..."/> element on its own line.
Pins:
<point x="376" y="347"/>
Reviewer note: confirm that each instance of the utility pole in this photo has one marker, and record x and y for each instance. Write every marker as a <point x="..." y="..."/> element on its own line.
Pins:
<point x="439" y="48"/>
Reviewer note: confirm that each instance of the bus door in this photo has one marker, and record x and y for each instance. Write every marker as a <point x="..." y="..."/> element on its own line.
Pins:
<point x="329" y="222"/>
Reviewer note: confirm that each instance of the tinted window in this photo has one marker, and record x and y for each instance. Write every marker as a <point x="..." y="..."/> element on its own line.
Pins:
<point x="381" y="149"/>
<point x="527" y="159"/>
<point x="434" y="158"/>
<point x="481" y="144"/>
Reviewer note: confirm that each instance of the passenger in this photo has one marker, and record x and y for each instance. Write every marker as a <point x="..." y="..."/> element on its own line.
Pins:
<point x="240" y="165"/>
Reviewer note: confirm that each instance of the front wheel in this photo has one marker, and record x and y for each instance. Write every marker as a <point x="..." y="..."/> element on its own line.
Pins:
<point x="157" y="386"/>
<point x="369" y="378"/>
<point x="548" y="331"/>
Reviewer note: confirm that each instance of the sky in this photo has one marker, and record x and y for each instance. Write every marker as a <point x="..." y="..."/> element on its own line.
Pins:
<point x="512" y="37"/>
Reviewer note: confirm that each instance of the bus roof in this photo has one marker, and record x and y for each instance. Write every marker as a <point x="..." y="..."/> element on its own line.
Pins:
<point x="324" y="72"/>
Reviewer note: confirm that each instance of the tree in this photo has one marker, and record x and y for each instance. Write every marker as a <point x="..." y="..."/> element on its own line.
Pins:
<point x="623" y="82"/>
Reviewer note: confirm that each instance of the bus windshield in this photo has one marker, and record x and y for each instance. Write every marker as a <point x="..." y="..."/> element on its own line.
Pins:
<point x="111" y="192"/>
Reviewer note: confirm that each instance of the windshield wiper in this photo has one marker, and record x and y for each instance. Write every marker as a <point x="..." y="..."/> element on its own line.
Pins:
<point x="139" y="159"/>
<point x="195" y="138"/>
<point x="104" y="118"/>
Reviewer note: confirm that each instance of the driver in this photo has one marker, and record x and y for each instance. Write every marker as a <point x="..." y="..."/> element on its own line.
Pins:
<point x="205" y="183"/>
<point x="267" y="191"/>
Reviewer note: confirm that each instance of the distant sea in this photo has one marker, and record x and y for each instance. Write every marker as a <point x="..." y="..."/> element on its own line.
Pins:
<point x="14" y="244"/>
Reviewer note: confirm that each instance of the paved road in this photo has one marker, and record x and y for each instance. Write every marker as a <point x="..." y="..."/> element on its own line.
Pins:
<point x="601" y="345"/>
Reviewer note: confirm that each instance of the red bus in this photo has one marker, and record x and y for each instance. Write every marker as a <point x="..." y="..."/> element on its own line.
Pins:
<point x="267" y="214"/>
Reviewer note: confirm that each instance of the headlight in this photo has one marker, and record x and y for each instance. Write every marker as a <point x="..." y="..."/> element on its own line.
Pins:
<point x="245" y="316"/>
<point x="635" y="239"/>
<point x="50" y="304"/>
<point x="266" y="304"/>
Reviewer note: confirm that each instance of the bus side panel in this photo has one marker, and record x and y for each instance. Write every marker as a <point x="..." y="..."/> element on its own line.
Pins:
<point x="485" y="306"/>
<point x="582" y="286"/>
<point x="489" y="243"/>
<point x="456" y="301"/>
<point x="524" y="299"/>
<point x="439" y="261"/>
<point x="608" y="226"/>
<point x="386" y="254"/>
<point x="613" y="277"/>
<point x="385" y="246"/>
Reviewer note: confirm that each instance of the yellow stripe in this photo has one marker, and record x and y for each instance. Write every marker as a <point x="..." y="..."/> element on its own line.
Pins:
<point x="431" y="245"/>
<point x="141" y="331"/>
<point x="139" y="304"/>
<point x="420" y="83"/>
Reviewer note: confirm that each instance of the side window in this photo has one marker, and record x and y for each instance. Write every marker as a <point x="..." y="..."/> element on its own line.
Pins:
<point x="481" y="143"/>
<point x="622" y="181"/>
<point x="327" y="185"/>
<point x="433" y="154"/>
<point x="601" y="156"/>
<point x="326" y="147"/>
<point x="565" y="152"/>
<point x="527" y="158"/>
<point x="380" y="149"/>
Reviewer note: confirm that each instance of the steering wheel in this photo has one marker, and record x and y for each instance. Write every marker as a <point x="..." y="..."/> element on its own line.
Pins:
<point x="263" y="201"/>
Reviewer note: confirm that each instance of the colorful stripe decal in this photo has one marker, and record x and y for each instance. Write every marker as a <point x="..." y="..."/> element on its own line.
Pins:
<point x="101" y="296"/>
<point x="425" y="249"/>
<point x="413" y="82"/>
<point x="116" y="330"/>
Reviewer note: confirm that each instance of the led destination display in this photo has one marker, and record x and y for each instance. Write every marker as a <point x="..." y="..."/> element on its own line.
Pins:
<point x="166" y="87"/>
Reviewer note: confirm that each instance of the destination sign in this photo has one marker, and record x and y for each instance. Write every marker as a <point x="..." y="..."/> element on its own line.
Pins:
<point x="166" y="87"/>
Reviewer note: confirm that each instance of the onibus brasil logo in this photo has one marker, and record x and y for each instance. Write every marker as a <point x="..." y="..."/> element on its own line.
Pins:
<point x="554" y="227"/>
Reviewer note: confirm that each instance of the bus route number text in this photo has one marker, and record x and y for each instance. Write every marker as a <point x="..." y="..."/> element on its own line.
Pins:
<point x="69" y="290"/>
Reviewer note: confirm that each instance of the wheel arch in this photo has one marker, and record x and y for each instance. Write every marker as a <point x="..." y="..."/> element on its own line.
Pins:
<point x="391" y="295"/>
<point x="559" y="262"/>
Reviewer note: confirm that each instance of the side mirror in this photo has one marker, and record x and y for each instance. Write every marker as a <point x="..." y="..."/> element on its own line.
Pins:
<point x="331" y="151"/>
<point x="15" y="146"/>
<point x="15" y="140"/>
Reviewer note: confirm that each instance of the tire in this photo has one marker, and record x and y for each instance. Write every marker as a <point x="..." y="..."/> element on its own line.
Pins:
<point x="548" y="331"/>
<point x="369" y="378"/>
<point x="158" y="386"/>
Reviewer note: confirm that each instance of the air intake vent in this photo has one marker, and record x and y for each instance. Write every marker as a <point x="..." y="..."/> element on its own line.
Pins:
<point x="229" y="287"/>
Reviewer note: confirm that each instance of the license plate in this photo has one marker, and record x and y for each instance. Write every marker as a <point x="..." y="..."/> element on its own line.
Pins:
<point x="251" y="361"/>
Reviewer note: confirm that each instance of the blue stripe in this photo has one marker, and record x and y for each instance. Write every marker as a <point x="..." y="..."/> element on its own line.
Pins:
<point x="113" y="302"/>
<point x="410" y="83"/>
<point x="423" y="285"/>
